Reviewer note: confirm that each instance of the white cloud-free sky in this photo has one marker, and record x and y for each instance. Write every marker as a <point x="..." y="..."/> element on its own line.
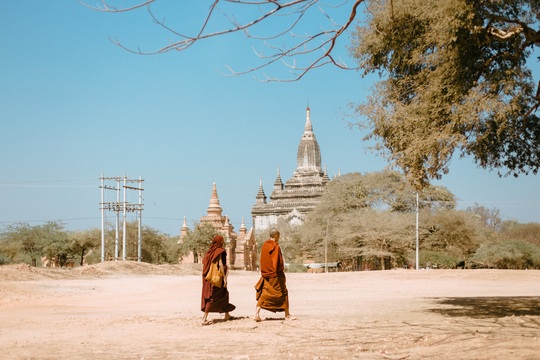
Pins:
<point x="74" y="106"/>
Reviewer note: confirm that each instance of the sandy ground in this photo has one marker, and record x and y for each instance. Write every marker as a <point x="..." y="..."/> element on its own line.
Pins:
<point x="141" y="311"/>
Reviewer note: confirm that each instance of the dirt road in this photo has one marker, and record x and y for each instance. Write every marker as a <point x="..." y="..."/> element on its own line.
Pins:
<point x="140" y="311"/>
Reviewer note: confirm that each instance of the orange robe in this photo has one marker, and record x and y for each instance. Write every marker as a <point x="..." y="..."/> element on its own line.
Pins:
<point x="271" y="288"/>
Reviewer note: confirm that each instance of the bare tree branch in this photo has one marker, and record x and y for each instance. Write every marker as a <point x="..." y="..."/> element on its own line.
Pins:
<point x="318" y="45"/>
<point x="105" y="7"/>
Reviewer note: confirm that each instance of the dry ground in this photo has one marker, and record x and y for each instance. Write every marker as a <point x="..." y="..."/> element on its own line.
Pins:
<point x="141" y="311"/>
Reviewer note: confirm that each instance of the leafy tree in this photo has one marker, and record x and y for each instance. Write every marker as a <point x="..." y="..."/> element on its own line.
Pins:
<point x="386" y="190"/>
<point x="370" y="216"/>
<point x="198" y="240"/>
<point x="55" y="240"/>
<point x="82" y="242"/>
<point x="156" y="247"/>
<point x="457" y="78"/>
<point x="171" y="250"/>
<point x="450" y="232"/>
<point x="10" y="246"/>
<point x="19" y="239"/>
<point x="373" y="235"/>
<point x="390" y="189"/>
<point x="22" y="242"/>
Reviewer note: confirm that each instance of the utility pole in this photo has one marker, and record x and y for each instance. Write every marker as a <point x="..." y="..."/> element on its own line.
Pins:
<point x="326" y="249"/>
<point x="139" y="233"/>
<point x="124" y="207"/>
<point x="124" y="228"/>
<point x="417" y="210"/>
<point x="117" y="227"/>
<point x="102" y="219"/>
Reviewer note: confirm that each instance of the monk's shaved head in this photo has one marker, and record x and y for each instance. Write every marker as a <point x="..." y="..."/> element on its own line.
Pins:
<point x="273" y="232"/>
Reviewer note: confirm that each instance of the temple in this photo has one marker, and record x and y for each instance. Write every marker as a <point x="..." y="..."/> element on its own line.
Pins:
<point x="292" y="201"/>
<point x="241" y="247"/>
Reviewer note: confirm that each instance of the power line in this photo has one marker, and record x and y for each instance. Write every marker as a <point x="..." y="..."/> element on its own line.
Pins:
<point x="45" y="220"/>
<point x="46" y="186"/>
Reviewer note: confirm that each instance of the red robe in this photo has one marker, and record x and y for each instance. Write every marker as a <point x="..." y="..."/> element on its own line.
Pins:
<point x="215" y="299"/>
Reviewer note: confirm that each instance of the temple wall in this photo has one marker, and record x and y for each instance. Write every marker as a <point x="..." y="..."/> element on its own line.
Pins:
<point x="265" y="222"/>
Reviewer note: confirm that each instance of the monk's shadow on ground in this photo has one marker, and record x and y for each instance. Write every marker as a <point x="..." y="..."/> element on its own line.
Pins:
<point x="232" y="318"/>
<point x="488" y="307"/>
<point x="273" y="319"/>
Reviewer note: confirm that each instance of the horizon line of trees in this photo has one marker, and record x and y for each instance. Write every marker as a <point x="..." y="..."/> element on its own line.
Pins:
<point x="364" y="221"/>
<point x="51" y="244"/>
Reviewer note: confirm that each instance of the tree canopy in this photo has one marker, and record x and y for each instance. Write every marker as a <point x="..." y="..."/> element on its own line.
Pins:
<point x="198" y="240"/>
<point x="456" y="77"/>
<point x="369" y="215"/>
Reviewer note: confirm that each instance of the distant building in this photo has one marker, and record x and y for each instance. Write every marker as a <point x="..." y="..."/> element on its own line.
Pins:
<point x="293" y="200"/>
<point x="241" y="246"/>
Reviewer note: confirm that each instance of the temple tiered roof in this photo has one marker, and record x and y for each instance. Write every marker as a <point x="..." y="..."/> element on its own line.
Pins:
<point x="301" y="193"/>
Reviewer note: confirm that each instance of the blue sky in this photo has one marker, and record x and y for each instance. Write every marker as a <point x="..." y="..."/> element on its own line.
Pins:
<point x="73" y="106"/>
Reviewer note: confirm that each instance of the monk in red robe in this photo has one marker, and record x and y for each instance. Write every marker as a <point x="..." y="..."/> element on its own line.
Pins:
<point x="215" y="298"/>
<point x="272" y="294"/>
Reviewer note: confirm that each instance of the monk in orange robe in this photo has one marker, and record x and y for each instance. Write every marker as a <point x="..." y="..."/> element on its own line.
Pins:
<point x="272" y="294"/>
<point x="215" y="298"/>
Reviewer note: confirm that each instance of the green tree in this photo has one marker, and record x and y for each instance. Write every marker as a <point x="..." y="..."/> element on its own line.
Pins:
<point x="82" y="242"/>
<point x="156" y="247"/>
<point x="19" y="241"/>
<point x="10" y="244"/>
<point x="390" y="190"/>
<point x="453" y="233"/>
<point x="374" y="235"/>
<point x="22" y="242"/>
<point x="198" y="240"/>
<point x="55" y="240"/>
<point x="368" y="215"/>
<point x="456" y="79"/>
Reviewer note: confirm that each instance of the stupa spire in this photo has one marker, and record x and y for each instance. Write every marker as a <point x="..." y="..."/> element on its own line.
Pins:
<point x="309" y="154"/>
<point x="261" y="197"/>
<point x="214" y="208"/>
<point x="184" y="225"/>
<point x="243" y="227"/>
<point x="278" y="184"/>
<point x="308" y="128"/>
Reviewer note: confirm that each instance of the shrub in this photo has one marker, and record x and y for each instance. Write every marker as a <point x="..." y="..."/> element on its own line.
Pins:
<point x="438" y="259"/>
<point x="4" y="259"/>
<point x="509" y="254"/>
